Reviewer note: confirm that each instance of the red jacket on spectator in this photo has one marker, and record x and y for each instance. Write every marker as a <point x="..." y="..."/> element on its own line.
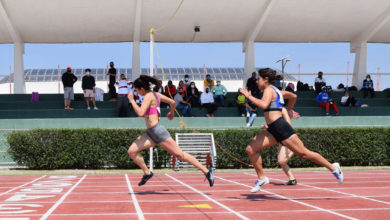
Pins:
<point x="172" y="90"/>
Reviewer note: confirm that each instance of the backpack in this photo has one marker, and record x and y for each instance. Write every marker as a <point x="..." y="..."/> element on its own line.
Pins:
<point x="35" y="97"/>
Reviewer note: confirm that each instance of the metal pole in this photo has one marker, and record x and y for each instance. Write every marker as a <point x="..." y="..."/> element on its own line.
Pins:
<point x="378" y="79"/>
<point x="151" y="62"/>
<point x="58" y="78"/>
<point x="10" y="82"/>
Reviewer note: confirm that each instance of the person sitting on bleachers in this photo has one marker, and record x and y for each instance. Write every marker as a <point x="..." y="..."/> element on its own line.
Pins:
<point x="319" y="82"/>
<point x="347" y="100"/>
<point x="182" y="104"/>
<point x="187" y="81"/>
<point x="207" y="101"/>
<point x="159" y="88"/>
<point x="193" y="95"/>
<point x="170" y="89"/>
<point x="241" y="103"/>
<point x="325" y="101"/>
<point x="182" y="87"/>
<point x="88" y="86"/>
<point x="368" y="86"/>
<point x="219" y="91"/>
<point x="208" y="82"/>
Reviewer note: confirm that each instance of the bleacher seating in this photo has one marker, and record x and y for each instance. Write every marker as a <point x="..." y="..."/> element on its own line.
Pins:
<point x="51" y="106"/>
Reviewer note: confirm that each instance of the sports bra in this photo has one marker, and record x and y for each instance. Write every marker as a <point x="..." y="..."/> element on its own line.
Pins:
<point x="155" y="110"/>
<point x="276" y="105"/>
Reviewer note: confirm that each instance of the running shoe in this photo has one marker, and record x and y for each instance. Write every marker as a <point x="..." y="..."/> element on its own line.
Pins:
<point x="291" y="182"/>
<point x="145" y="179"/>
<point x="210" y="176"/>
<point x="338" y="173"/>
<point x="259" y="184"/>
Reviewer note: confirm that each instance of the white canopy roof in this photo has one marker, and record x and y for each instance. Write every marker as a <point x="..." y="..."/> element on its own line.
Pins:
<point x="91" y="21"/>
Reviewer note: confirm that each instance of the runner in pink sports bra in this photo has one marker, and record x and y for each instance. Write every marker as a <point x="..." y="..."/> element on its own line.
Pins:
<point x="155" y="132"/>
<point x="154" y="110"/>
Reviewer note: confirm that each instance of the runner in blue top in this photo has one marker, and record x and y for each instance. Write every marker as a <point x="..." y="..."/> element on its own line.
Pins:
<point x="278" y="130"/>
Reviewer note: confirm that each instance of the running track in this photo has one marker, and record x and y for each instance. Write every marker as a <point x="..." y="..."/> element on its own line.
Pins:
<point x="363" y="195"/>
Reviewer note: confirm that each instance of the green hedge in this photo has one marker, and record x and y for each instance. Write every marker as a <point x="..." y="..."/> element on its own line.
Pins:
<point x="99" y="148"/>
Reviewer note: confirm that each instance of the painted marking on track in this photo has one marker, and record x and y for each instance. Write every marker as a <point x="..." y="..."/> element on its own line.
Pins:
<point x="134" y="198"/>
<point x="335" y="191"/>
<point x="202" y="206"/>
<point x="51" y="210"/>
<point x="209" y="198"/>
<point x="18" y="187"/>
<point x="292" y="200"/>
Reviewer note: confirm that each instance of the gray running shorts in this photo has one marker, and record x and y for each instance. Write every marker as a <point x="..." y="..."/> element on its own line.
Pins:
<point x="158" y="133"/>
<point x="68" y="93"/>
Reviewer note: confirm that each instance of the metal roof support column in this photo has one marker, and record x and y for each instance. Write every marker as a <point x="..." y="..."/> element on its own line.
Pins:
<point x="249" y="49"/>
<point x="136" y="65"/>
<point x="19" y="85"/>
<point x="360" y="67"/>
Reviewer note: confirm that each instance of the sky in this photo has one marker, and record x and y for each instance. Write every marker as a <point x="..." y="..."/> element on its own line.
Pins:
<point x="312" y="57"/>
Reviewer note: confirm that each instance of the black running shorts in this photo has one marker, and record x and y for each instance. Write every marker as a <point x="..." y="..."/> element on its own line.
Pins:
<point x="280" y="129"/>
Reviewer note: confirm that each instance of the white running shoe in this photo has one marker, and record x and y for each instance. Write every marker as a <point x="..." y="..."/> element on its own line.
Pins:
<point x="89" y="108"/>
<point x="338" y="173"/>
<point x="259" y="184"/>
<point x="95" y="108"/>
<point x="248" y="125"/>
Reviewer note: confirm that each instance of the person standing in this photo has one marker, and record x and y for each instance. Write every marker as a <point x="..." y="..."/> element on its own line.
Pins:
<point x="68" y="79"/>
<point x="319" y="82"/>
<point x="123" y="90"/>
<point x="251" y="85"/>
<point x="111" y="85"/>
<point x="88" y="86"/>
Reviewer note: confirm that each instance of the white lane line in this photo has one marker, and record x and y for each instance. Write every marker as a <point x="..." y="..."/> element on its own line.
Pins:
<point x="292" y="200"/>
<point x="134" y="198"/>
<point x="344" y="193"/>
<point x="18" y="187"/>
<point x="51" y="210"/>
<point x="209" y="198"/>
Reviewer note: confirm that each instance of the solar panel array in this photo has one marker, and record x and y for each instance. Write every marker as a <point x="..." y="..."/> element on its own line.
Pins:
<point x="100" y="74"/>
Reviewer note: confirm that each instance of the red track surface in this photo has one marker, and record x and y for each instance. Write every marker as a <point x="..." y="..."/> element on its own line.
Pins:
<point x="363" y="195"/>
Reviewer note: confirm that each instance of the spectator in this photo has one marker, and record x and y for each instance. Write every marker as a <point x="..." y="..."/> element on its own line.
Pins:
<point x="251" y="110"/>
<point x="99" y="94"/>
<point x="208" y="82"/>
<point x="88" y="86"/>
<point x="319" y="82"/>
<point x="368" y="86"/>
<point x="68" y="79"/>
<point x="187" y="81"/>
<point x="340" y="88"/>
<point x="347" y="100"/>
<point x="193" y="95"/>
<point x="219" y="91"/>
<point x="325" y="101"/>
<point x="158" y="88"/>
<point x="207" y="101"/>
<point x="182" y="104"/>
<point x="122" y="104"/>
<point x="170" y="89"/>
<point x="241" y="103"/>
<point x="182" y="87"/>
<point x="252" y="86"/>
<point x="111" y="85"/>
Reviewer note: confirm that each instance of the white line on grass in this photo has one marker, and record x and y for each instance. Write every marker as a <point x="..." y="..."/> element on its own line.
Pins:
<point x="209" y="198"/>
<point x="51" y="210"/>
<point x="18" y="187"/>
<point x="134" y="198"/>
<point x="292" y="200"/>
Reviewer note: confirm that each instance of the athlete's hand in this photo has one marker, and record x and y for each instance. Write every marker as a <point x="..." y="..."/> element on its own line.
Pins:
<point x="293" y="114"/>
<point x="130" y="96"/>
<point x="170" y="115"/>
<point x="245" y="92"/>
<point x="264" y="127"/>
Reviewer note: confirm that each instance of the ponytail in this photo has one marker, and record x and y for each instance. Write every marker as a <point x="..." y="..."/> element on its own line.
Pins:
<point x="271" y="74"/>
<point x="144" y="82"/>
